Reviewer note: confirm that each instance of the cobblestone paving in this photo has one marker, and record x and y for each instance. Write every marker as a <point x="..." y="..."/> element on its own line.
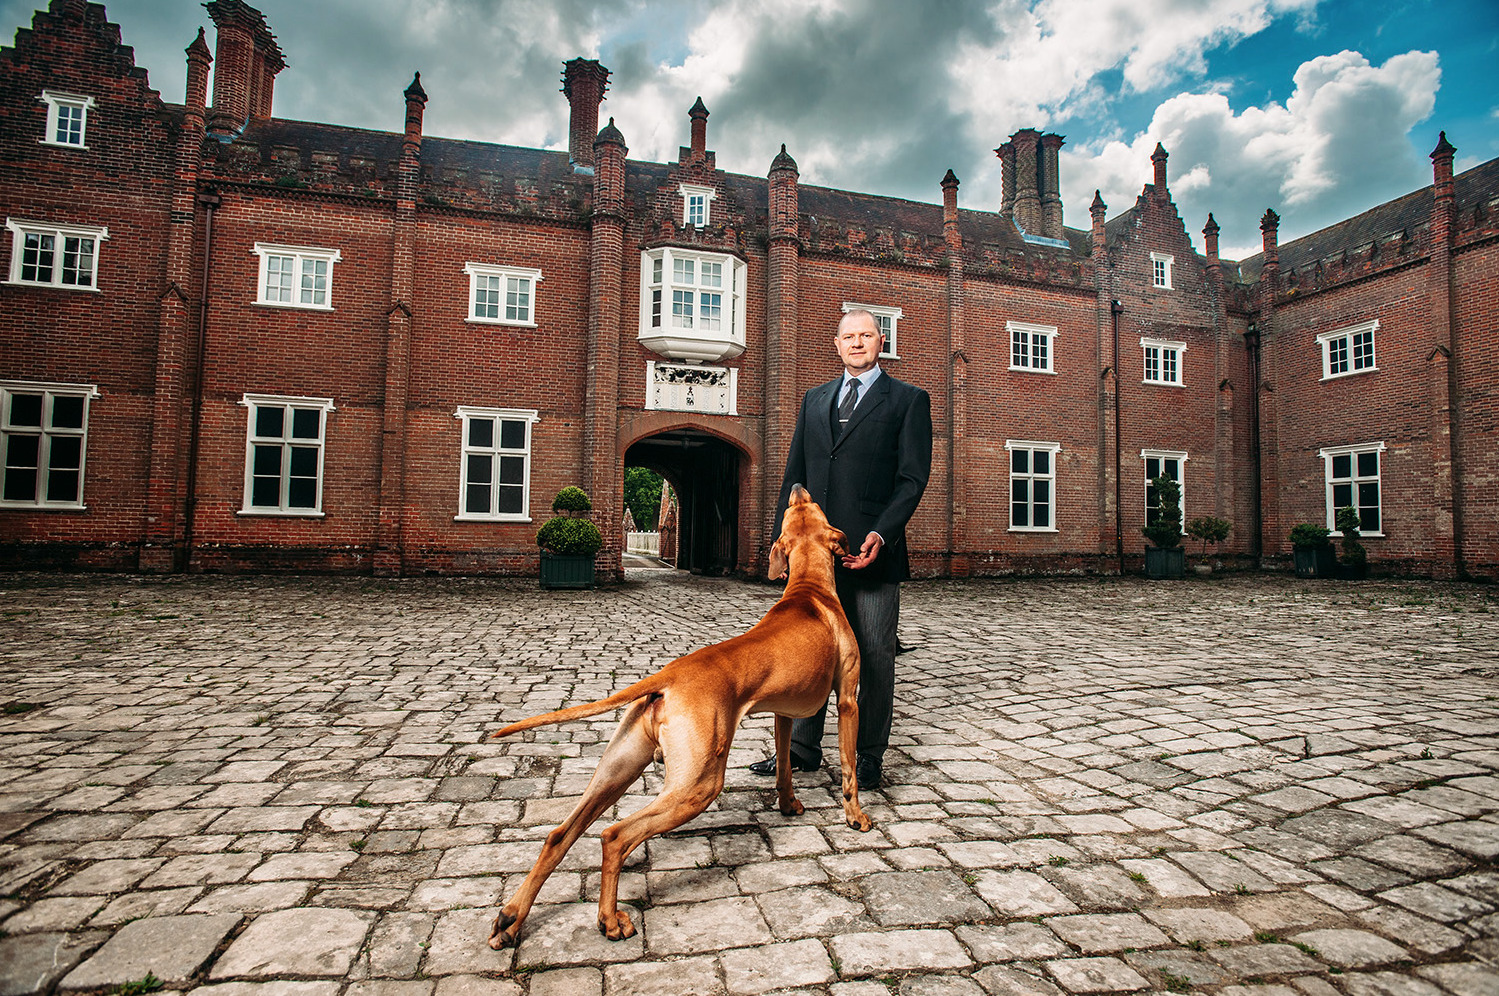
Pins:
<point x="1235" y="785"/>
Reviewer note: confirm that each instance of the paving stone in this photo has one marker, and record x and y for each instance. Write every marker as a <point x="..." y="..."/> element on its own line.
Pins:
<point x="1463" y="979"/>
<point x="1419" y="933"/>
<point x="259" y="898"/>
<point x="1105" y="933"/>
<point x="1433" y="901"/>
<point x="281" y="987"/>
<point x="568" y="982"/>
<point x="1387" y="984"/>
<point x="256" y="818"/>
<point x="307" y="941"/>
<point x="1172" y="967"/>
<point x="31" y="963"/>
<point x="172" y="948"/>
<point x="1187" y="924"/>
<point x="559" y="935"/>
<point x="705" y="926"/>
<point x="1263" y="959"/>
<point x="63" y="913"/>
<point x="1011" y="942"/>
<point x="906" y="899"/>
<point x="302" y="865"/>
<point x="1095" y="975"/>
<point x="1476" y="838"/>
<point x="104" y="877"/>
<point x="897" y="951"/>
<point x="397" y="944"/>
<point x="204" y="869"/>
<point x="686" y="977"/>
<point x="1351" y="948"/>
<point x="156" y="902"/>
<point x="776" y="966"/>
<point x="1002" y="980"/>
<point x="1021" y="894"/>
<point x="811" y="912"/>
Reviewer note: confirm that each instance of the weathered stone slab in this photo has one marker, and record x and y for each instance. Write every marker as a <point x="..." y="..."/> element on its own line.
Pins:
<point x="308" y="941"/>
<point x="1095" y="975"/>
<point x="776" y="966"/>
<point x="259" y="898"/>
<point x="685" y="977"/>
<point x="1105" y="933"/>
<point x="708" y="926"/>
<point x="909" y="899"/>
<point x="1187" y="924"/>
<point x="1351" y="948"/>
<point x="1011" y="942"/>
<point x="898" y="951"/>
<point x="32" y="963"/>
<point x="171" y="948"/>
<point x="1021" y="894"/>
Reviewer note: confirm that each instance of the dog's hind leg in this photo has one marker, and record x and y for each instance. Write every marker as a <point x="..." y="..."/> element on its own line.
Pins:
<point x="785" y="796"/>
<point x="694" y="777"/>
<point x="629" y="751"/>
<point x="848" y="738"/>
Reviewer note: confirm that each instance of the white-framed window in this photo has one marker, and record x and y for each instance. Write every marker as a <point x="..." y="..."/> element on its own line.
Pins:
<point x="696" y="203"/>
<point x="685" y="289"/>
<point x="284" y="442"/>
<point x="1030" y="346"/>
<point x="296" y="276"/>
<point x="495" y="472"/>
<point x="887" y="318"/>
<point x="502" y="295"/>
<point x="1163" y="361"/>
<point x="1168" y="463"/>
<point x="1033" y="478"/>
<point x="1352" y="474"/>
<point x="43" y="439"/>
<point x="1160" y="270"/>
<point x="46" y="255"/>
<point x="67" y="118"/>
<point x="1348" y="351"/>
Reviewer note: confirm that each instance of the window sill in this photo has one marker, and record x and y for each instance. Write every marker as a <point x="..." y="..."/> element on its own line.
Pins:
<point x="493" y="518"/>
<point x="287" y="306"/>
<point x="1350" y="373"/>
<point x="1163" y="383"/>
<point x="61" y="145"/>
<point x="273" y="513"/>
<point x="499" y="321"/>
<point x="22" y="506"/>
<point x="1033" y="529"/>
<point x="1032" y="370"/>
<point x="61" y="287"/>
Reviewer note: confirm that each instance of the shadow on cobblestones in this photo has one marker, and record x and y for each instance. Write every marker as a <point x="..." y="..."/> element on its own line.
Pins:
<point x="262" y="785"/>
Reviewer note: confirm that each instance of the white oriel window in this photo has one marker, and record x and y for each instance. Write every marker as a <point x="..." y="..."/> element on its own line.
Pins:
<point x="1163" y="463"/>
<point x="1033" y="478"/>
<point x="1030" y="346"/>
<point x="495" y="476"/>
<point x="1352" y="474"/>
<point x="1163" y="361"/>
<point x="1160" y="270"/>
<point x="888" y="320"/>
<point x="67" y="118"/>
<point x="1348" y="351"/>
<point x="296" y="276"/>
<point x="48" y="255"/>
<point x="693" y="290"/>
<point x="284" y="454"/>
<point x="696" y="201"/>
<point x="503" y="295"/>
<point x="44" y="437"/>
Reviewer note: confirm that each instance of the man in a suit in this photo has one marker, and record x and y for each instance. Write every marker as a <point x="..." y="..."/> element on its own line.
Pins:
<point x="863" y="449"/>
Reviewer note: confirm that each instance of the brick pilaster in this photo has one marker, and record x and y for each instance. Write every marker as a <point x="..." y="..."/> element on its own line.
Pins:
<point x="1272" y="536"/>
<point x="1448" y="445"/>
<point x="601" y="460"/>
<point x="959" y="543"/>
<point x="781" y="287"/>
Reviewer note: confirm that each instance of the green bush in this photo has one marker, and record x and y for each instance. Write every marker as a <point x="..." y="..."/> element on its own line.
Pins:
<point x="564" y="535"/>
<point x="1353" y="553"/>
<point x="572" y="499"/>
<point x="1305" y="536"/>
<point x="1165" y="526"/>
<point x="1209" y="529"/>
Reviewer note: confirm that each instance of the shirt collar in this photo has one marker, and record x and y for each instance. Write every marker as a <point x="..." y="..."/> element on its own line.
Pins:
<point x="866" y="378"/>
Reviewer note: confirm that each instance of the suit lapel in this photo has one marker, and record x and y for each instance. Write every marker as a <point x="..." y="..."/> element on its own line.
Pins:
<point x="821" y="404"/>
<point x="876" y="396"/>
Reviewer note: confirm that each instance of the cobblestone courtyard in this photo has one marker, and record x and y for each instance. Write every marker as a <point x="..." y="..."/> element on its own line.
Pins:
<point x="1238" y="785"/>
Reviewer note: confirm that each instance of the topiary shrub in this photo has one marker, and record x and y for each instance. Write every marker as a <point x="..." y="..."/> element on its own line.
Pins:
<point x="1352" y="556"/>
<point x="1209" y="529"/>
<point x="1305" y="536"/>
<point x="567" y="536"/>
<point x="571" y="499"/>
<point x="1165" y="526"/>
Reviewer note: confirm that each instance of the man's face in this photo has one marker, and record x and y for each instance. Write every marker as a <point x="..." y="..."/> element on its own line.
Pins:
<point x="859" y="343"/>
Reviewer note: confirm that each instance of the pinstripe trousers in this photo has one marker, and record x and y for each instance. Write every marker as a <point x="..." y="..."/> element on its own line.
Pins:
<point x="873" y="612"/>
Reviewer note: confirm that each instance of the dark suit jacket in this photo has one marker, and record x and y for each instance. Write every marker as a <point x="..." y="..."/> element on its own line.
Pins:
<point x="872" y="478"/>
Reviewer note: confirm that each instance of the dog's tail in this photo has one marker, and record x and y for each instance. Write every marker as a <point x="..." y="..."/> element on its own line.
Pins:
<point x="642" y="688"/>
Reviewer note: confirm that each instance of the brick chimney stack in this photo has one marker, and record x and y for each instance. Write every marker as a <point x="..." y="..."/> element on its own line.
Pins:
<point x="583" y="82"/>
<point x="1159" y="157"/>
<point x="1270" y="244"/>
<point x="198" y="60"/>
<point x="699" y="115"/>
<point x="1096" y="212"/>
<point x="1051" y="187"/>
<point x="1210" y="239"/>
<point x="247" y="61"/>
<point x="1027" y="142"/>
<point x="416" y="104"/>
<point x="1006" y="154"/>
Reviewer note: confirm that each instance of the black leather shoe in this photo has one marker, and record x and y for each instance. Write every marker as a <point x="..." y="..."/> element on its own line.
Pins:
<point x="768" y="766"/>
<point x="867" y="771"/>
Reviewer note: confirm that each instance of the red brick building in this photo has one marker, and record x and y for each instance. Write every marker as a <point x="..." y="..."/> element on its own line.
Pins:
<point x="234" y="342"/>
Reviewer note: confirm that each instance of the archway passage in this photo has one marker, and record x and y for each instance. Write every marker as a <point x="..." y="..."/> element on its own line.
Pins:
<point x="705" y="471"/>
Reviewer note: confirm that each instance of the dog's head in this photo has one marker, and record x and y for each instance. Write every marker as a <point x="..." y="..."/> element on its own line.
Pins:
<point x="803" y="529"/>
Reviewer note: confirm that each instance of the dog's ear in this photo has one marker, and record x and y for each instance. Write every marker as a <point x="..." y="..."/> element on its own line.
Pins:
<point x="777" y="562"/>
<point x="837" y="541"/>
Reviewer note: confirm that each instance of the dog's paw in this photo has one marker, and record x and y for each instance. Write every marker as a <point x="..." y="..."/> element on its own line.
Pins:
<point x="616" y="926"/>
<point x="793" y="808"/>
<point x="861" y="823"/>
<point x="506" y="932"/>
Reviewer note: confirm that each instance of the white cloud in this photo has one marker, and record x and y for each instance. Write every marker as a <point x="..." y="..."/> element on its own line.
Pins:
<point x="1337" y="147"/>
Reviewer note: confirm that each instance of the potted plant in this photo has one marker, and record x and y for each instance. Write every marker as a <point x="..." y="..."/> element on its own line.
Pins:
<point x="1353" y="559"/>
<point x="1166" y="559"/>
<point x="568" y="542"/>
<point x="1208" y="529"/>
<point x="1310" y="551"/>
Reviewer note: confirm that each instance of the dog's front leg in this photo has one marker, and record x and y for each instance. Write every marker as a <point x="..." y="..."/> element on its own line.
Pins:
<point x="785" y="796"/>
<point x="848" y="740"/>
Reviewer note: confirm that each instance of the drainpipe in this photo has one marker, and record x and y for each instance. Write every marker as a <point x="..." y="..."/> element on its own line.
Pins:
<point x="1115" y="309"/>
<point x="209" y="202"/>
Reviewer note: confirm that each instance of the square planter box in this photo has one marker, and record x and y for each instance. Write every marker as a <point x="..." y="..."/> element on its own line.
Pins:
<point x="559" y="570"/>
<point x="1314" y="562"/>
<point x="1167" y="563"/>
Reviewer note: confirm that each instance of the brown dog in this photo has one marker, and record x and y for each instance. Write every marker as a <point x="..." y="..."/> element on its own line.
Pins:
<point x="686" y="714"/>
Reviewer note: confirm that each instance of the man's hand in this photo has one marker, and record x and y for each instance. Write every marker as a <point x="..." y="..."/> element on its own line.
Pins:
<point x="866" y="554"/>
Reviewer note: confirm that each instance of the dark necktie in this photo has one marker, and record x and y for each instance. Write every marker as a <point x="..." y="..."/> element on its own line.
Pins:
<point x="846" y="406"/>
